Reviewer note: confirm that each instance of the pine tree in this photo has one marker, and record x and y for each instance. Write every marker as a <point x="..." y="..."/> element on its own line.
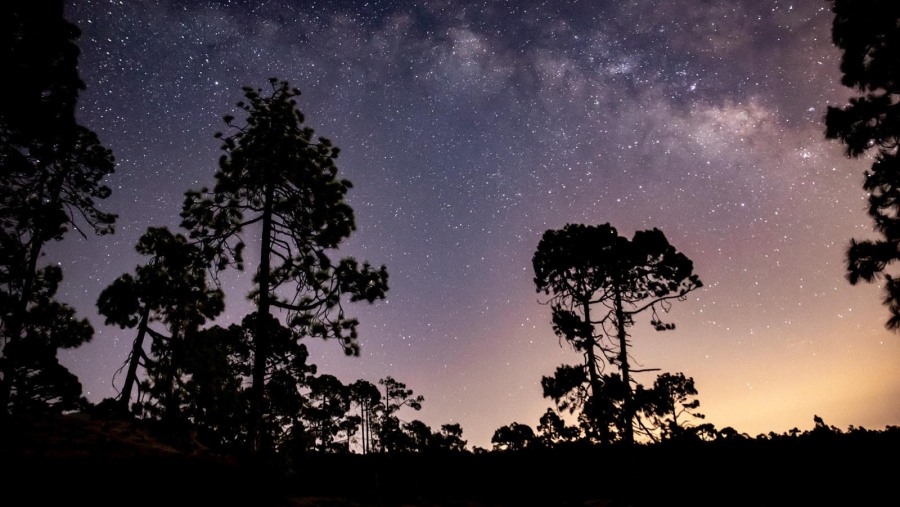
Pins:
<point x="51" y="172"/>
<point x="276" y="177"/>
<point x="598" y="281"/>
<point x="171" y="289"/>
<point x="868" y="33"/>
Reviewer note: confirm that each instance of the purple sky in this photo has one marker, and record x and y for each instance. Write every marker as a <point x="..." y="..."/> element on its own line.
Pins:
<point x="470" y="129"/>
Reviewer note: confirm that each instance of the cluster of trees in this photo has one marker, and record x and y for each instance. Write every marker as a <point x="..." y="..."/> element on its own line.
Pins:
<point x="248" y="383"/>
<point x="276" y="177"/>
<point x="245" y="385"/>
<point x="552" y="432"/>
<point x="51" y="172"/>
<point x="251" y="384"/>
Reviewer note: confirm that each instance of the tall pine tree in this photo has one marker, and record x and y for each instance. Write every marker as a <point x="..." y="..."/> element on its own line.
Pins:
<point x="276" y="177"/>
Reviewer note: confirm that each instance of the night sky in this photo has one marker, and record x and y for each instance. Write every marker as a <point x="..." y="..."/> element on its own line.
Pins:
<point x="470" y="129"/>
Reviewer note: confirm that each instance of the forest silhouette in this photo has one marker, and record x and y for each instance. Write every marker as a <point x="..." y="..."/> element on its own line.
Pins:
<point x="240" y="415"/>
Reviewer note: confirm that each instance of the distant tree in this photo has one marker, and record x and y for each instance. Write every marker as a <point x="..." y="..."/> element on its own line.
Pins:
<point x="275" y="176"/>
<point x="51" y="170"/>
<point x="822" y="429"/>
<point x="706" y="432"/>
<point x="326" y="412"/>
<point x="553" y="429"/>
<point x="868" y="33"/>
<point x="450" y="438"/>
<point x="172" y="289"/>
<point x="598" y="281"/>
<point x="513" y="437"/>
<point x="419" y="437"/>
<point x="367" y="398"/>
<point x="670" y="404"/>
<point x="729" y="433"/>
<point x="390" y="430"/>
<point x="397" y="396"/>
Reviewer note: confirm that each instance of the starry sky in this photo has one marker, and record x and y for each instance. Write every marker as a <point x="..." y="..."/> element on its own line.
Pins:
<point x="468" y="129"/>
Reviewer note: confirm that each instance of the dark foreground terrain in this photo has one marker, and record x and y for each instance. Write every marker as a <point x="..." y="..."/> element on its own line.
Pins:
<point x="75" y="459"/>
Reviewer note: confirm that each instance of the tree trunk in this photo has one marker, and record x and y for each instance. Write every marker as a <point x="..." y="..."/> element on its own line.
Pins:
<point x="592" y="357"/>
<point x="171" y="380"/>
<point x="137" y="351"/>
<point x="364" y="414"/>
<point x="261" y="352"/>
<point x="628" y="403"/>
<point x="593" y="376"/>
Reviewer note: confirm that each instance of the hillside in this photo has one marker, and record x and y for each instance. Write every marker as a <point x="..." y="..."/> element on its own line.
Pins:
<point x="107" y="461"/>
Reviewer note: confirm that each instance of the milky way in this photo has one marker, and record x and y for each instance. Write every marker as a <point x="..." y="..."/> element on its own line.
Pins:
<point x="470" y="129"/>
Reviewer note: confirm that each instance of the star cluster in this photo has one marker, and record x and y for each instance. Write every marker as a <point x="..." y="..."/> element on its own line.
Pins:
<point x="468" y="129"/>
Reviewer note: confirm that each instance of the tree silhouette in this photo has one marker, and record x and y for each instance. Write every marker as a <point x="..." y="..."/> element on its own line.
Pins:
<point x="326" y="411"/>
<point x="51" y="170"/>
<point x="567" y="387"/>
<point x="868" y="33"/>
<point x="669" y="404"/>
<point x="598" y="281"/>
<point x="273" y="175"/>
<point x="552" y="429"/>
<point x="215" y="363"/>
<point x="172" y="289"/>
<point x="513" y="437"/>
<point x="287" y="375"/>
<point x="390" y="430"/>
<point x="599" y="405"/>
<point x="419" y="437"/>
<point x="450" y="438"/>
<point x="368" y="399"/>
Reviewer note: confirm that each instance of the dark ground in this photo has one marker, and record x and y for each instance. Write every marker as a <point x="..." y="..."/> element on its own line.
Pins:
<point x="81" y="460"/>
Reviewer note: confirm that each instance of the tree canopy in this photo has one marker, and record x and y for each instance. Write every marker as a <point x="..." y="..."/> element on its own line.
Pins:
<point x="172" y="289"/>
<point x="868" y="34"/>
<point x="51" y="172"/>
<point x="598" y="281"/>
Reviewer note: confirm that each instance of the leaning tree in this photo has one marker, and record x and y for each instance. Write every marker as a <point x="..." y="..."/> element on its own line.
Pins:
<point x="170" y="289"/>
<point x="279" y="180"/>
<point x="598" y="281"/>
